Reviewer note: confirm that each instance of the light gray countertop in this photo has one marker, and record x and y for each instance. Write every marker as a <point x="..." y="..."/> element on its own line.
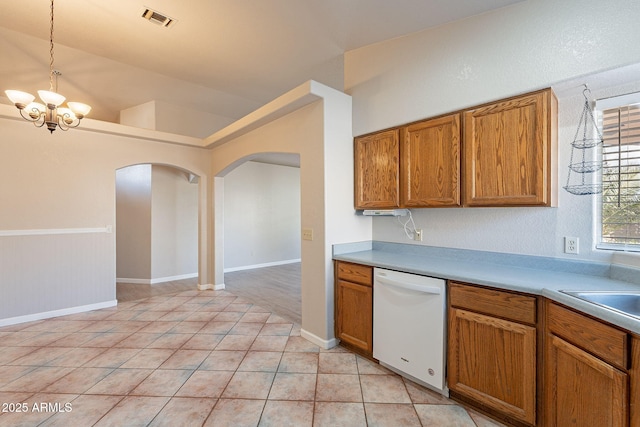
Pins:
<point x="528" y="274"/>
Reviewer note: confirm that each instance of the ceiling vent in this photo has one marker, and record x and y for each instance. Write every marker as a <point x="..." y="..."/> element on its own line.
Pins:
<point x="157" y="17"/>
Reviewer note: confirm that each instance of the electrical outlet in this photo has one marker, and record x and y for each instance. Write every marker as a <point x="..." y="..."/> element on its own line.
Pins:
<point x="417" y="235"/>
<point x="571" y="245"/>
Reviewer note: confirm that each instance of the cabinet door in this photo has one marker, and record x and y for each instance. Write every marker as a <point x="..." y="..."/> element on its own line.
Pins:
<point x="493" y="362"/>
<point x="377" y="170"/>
<point x="354" y="315"/>
<point x="634" y="406"/>
<point x="507" y="152"/>
<point x="430" y="163"/>
<point x="582" y="390"/>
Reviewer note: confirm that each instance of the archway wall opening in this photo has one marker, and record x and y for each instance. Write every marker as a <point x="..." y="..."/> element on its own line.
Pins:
<point x="156" y="224"/>
<point x="262" y="213"/>
<point x="320" y="132"/>
<point x="57" y="245"/>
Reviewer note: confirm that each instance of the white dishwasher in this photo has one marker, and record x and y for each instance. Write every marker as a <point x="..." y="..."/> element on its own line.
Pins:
<point x="409" y="326"/>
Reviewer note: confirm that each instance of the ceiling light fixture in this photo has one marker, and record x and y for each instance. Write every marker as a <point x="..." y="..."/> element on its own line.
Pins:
<point x="49" y="113"/>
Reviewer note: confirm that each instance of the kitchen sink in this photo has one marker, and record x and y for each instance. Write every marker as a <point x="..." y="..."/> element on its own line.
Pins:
<point x="625" y="302"/>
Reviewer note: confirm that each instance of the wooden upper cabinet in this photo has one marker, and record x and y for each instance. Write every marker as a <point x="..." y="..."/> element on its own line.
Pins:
<point x="430" y="163"/>
<point x="508" y="151"/>
<point x="377" y="170"/>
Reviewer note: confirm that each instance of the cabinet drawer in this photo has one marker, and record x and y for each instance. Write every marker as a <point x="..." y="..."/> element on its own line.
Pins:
<point x="507" y="305"/>
<point x="355" y="273"/>
<point x="601" y="340"/>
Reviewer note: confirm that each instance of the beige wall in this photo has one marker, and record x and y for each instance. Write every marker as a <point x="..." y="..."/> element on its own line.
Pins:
<point x="312" y="120"/>
<point x="261" y="215"/>
<point x="65" y="183"/>
<point x="509" y="51"/>
<point x="174" y="225"/>
<point x="166" y="117"/>
<point x="320" y="133"/>
<point x="156" y="224"/>
<point x="133" y="223"/>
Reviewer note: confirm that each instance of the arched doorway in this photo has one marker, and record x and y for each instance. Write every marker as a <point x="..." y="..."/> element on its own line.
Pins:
<point x="156" y="230"/>
<point x="262" y="256"/>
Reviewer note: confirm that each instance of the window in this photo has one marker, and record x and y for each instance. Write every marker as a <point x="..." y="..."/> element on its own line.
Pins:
<point x="620" y="201"/>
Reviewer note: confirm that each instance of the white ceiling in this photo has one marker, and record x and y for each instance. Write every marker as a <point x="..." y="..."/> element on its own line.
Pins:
<point x="225" y="57"/>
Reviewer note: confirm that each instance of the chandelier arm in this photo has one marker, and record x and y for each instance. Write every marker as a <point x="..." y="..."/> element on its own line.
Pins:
<point x="28" y="117"/>
<point x="37" y="123"/>
<point x="66" y="126"/>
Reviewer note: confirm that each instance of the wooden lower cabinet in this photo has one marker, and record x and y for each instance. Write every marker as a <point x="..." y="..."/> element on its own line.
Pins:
<point x="634" y="404"/>
<point x="492" y="360"/>
<point x="578" y="371"/>
<point x="586" y="376"/>
<point x="584" y="390"/>
<point x="354" y="307"/>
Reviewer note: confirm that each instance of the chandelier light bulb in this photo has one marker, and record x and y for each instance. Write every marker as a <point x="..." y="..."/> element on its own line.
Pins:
<point x="20" y="99"/>
<point x="79" y="109"/>
<point x="51" y="98"/>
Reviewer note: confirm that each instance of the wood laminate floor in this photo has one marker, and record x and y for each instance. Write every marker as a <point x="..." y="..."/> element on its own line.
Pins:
<point x="134" y="291"/>
<point x="276" y="288"/>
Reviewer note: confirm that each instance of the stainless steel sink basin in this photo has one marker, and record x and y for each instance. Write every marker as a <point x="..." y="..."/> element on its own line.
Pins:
<point x="625" y="302"/>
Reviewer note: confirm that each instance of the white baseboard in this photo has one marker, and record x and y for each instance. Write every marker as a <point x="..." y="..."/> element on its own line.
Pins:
<point x="210" y="286"/>
<point x="57" y="313"/>
<point x="156" y="281"/>
<point x="326" y="344"/>
<point x="266" y="264"/>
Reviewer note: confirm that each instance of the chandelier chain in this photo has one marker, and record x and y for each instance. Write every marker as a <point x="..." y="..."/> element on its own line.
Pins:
<point x="51" y="73"/>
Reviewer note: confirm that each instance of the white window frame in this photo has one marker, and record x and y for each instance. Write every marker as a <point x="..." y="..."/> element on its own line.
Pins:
<point x="601" y="105"/>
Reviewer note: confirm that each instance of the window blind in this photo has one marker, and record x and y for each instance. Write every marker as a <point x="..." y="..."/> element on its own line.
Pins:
<point x="620" y="207"/>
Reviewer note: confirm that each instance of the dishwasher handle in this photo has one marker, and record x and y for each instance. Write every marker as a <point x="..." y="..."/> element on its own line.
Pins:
<point x="383" y="280"/>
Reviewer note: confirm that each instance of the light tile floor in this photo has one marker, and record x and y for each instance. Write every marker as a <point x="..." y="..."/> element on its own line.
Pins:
<point x="199" y="359"/>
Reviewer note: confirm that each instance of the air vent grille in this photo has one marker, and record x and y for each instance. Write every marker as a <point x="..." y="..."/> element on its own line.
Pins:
<point x="157" y="17"/>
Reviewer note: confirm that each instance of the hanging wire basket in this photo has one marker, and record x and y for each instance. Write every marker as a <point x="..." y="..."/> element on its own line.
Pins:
<point x="584" y="141"/>
<point x="584" y="189"/>
<point x="586" y="167"/>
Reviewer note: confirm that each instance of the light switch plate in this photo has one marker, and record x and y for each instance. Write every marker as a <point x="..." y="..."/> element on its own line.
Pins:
<point x="307" y="234"/>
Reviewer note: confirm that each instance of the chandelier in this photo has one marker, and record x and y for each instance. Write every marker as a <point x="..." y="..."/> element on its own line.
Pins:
<point x="50" y="113"/>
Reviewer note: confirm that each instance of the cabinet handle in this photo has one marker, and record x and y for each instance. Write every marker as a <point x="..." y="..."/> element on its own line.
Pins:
<point x="409" y="286"/>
